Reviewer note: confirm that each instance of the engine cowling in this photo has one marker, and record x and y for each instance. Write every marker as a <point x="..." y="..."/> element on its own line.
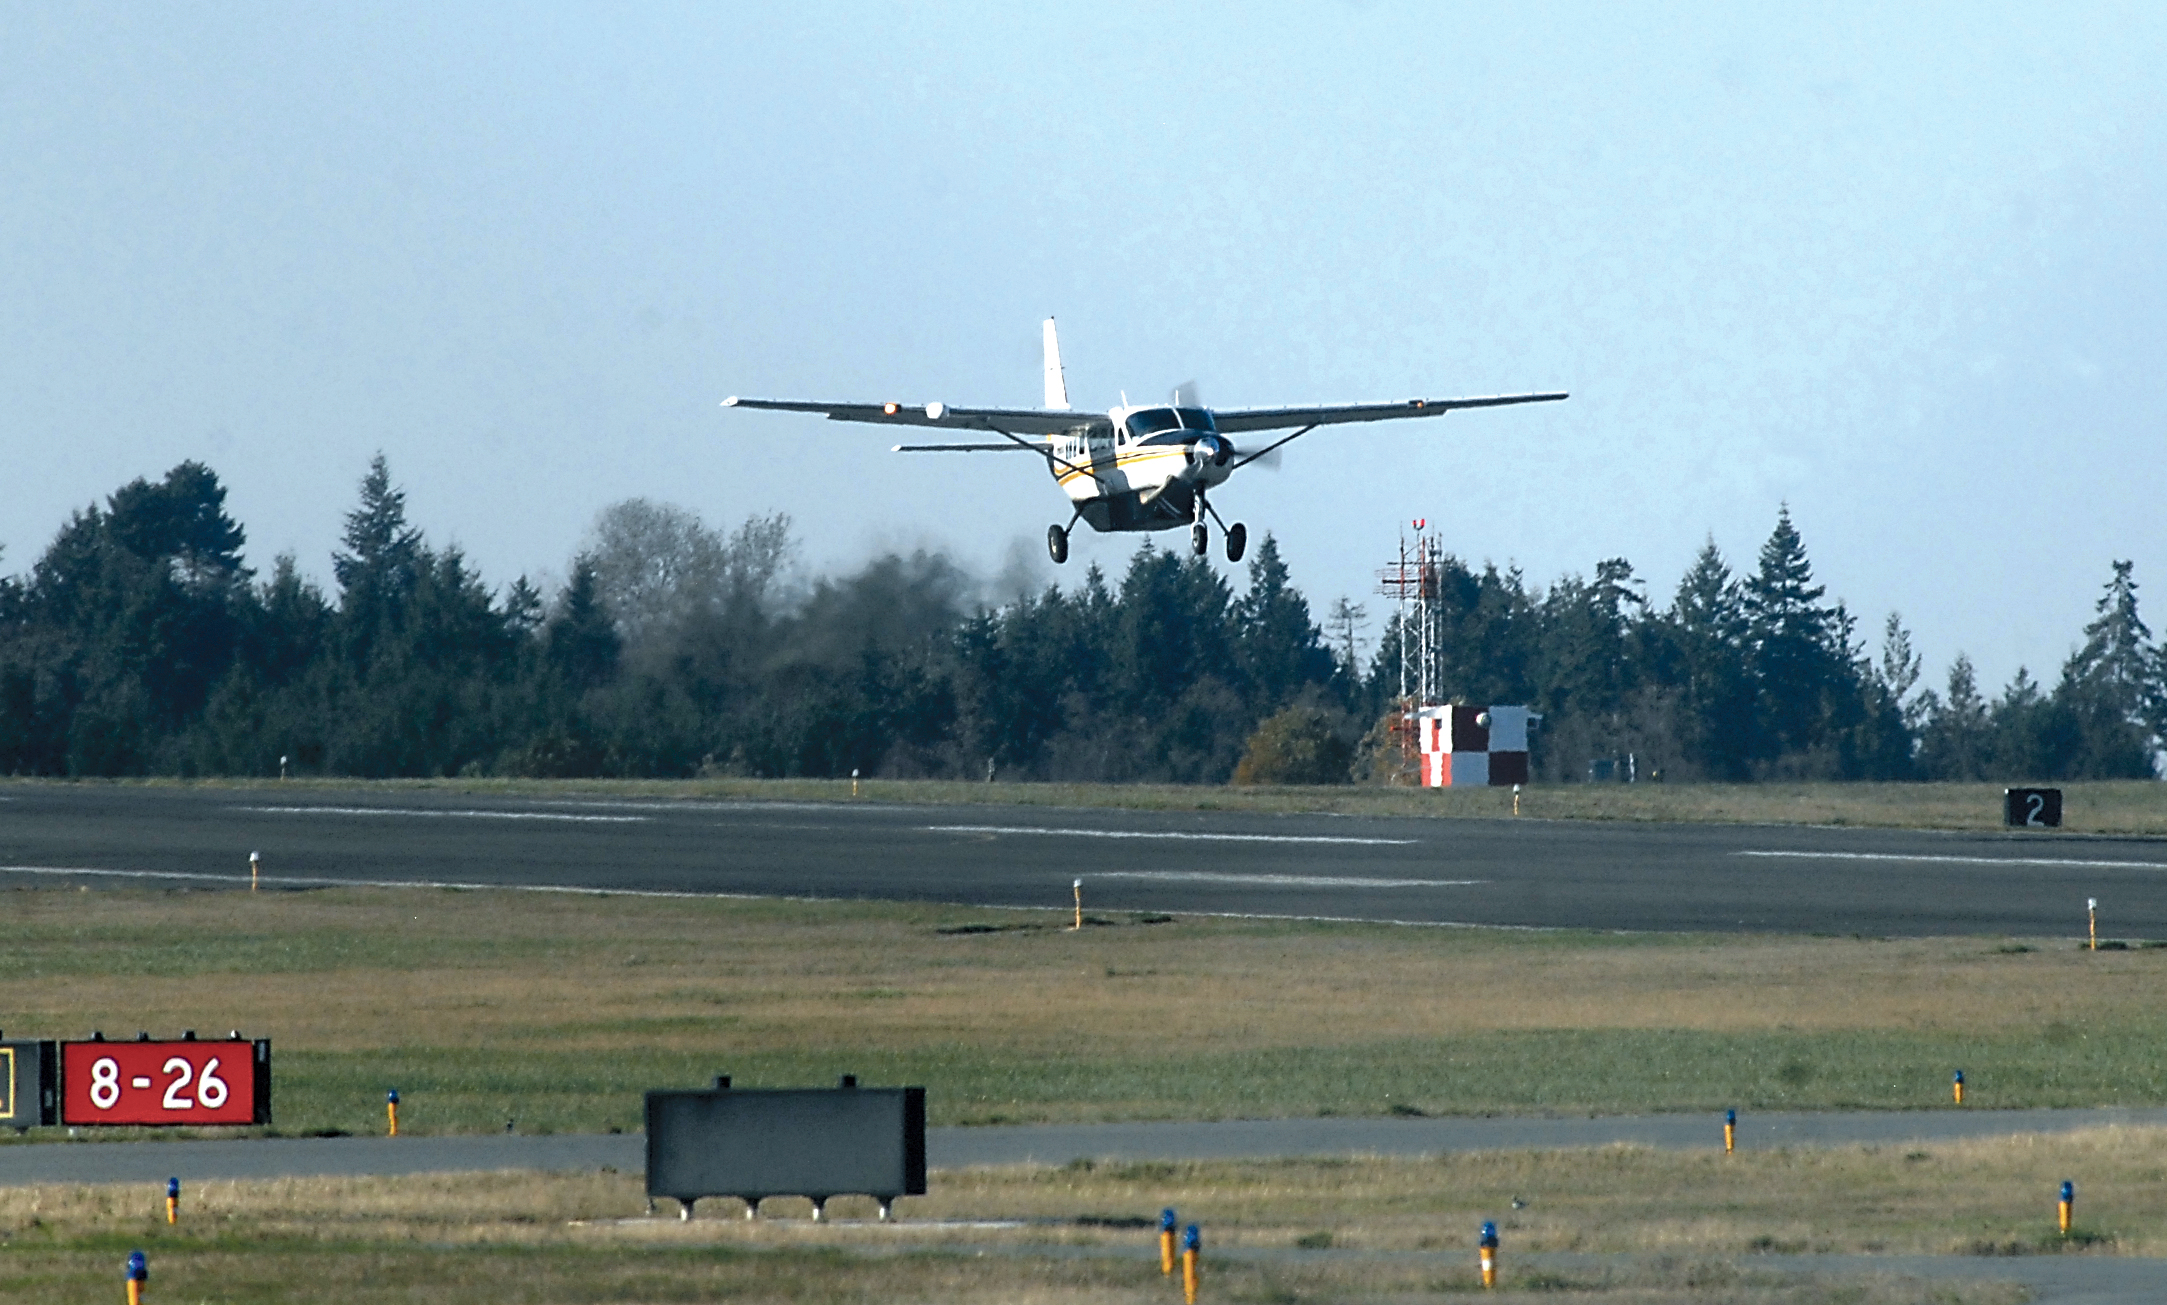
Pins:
<point x="1211" y="451"/>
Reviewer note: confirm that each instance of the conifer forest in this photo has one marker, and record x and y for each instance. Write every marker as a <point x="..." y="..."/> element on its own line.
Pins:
<point x="140" y="643"/>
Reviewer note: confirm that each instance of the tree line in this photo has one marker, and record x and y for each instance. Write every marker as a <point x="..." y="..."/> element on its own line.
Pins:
<point x="140" y="643"/>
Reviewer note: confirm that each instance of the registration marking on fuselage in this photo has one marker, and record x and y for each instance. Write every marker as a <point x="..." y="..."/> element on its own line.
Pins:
<point x="468" y="813"/>
<point x="1181" y="835"/>
<point x="1278" y="881"/>
<point x="1924" y="858"/>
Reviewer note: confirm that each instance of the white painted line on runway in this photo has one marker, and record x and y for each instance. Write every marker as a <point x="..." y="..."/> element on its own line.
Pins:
<point x="443" y="811"/>
<point x="1278" y="881"/>
<point x="1168" y="834"/>
<point x="1961" y="860"/>
<point x="313" y="881"/>
<point x="303" y="881"/>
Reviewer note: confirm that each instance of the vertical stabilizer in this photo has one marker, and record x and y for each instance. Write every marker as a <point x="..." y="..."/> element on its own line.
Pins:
<point x="1056" y="384"/>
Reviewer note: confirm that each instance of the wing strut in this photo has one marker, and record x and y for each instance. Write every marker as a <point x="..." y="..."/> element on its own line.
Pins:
<point x="1269" y="447"/>
<point x="1047" y="453"/>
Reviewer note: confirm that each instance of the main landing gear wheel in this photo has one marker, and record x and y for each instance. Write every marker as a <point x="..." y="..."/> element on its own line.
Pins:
<point x="1199" y="539"/>
<point x="1057" y="544"/>
<point x="1237" y="539"/>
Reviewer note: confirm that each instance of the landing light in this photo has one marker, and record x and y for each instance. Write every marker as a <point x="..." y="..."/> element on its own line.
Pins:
<point x="891" y="408"/>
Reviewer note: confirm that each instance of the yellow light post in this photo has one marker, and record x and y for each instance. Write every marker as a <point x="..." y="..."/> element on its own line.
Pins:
<point x="1166" y="1241"/>
<point x="1487" y="1244"/>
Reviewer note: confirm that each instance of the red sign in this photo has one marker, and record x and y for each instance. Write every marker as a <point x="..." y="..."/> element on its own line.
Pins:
<point x="165" y="1082"/>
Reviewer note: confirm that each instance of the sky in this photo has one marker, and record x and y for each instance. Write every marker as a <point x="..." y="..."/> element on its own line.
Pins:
<point x="1901" y="271"/>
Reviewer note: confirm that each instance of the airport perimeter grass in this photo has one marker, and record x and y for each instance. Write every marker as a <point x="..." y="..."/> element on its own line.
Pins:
<point x="1293" y="1230"/>
<point x="2090" y="807"/>
<point x="554" y="1013"/>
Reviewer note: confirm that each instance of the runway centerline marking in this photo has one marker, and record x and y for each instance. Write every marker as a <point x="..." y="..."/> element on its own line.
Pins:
<point x="445" y="811"/>
<point x="1960" y="860"/>
<point x="1166" y="834"/>
<point x="1279" y="881"/>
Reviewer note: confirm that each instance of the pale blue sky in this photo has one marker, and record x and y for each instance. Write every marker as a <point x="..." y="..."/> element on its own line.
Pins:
<point x="1902" y="271"/>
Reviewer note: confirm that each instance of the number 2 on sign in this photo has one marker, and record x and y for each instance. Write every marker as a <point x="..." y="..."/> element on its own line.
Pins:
<point x="210" y="1089"/>
<point x="2038" y="803"/>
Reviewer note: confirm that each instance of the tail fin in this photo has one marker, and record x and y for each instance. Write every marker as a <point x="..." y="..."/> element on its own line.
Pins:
<point x="1056" y="384"/>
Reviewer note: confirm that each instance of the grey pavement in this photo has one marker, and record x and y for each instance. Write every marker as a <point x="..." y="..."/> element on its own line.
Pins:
<point x="955" y="1148"/>
<point x="1525" y="873"/>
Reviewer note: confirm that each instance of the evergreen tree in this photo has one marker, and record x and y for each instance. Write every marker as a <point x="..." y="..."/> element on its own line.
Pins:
<point x="1281" y="651"/>
<point x="381" y="565"/>
<point x="1707" y="626"/>
<point x="1798" y="650"/>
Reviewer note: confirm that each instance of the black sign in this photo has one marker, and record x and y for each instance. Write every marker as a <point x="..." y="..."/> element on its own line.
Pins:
<point x="2032" y="808"/>
<point x="812" y="1142"/>
<point x="29" y="1085"/>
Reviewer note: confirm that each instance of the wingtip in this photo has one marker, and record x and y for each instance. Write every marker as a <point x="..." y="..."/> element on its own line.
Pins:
<point x="730" y="402"/>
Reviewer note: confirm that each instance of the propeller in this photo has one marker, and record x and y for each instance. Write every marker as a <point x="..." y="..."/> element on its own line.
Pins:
<point x="1187" y="395"/>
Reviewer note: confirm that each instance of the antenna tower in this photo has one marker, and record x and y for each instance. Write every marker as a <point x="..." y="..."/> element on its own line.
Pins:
<point x="1412" y="583"/>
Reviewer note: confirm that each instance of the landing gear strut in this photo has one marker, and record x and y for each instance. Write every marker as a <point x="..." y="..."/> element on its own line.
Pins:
<point x="1237" y="535"/>
<point x="1057" y="544"/>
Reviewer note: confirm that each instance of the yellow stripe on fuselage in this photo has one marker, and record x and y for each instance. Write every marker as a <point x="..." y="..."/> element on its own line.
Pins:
<point x="1122" y="463"/>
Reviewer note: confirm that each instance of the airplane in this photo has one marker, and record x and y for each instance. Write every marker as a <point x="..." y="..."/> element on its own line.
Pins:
<point x="1139" y="467"/>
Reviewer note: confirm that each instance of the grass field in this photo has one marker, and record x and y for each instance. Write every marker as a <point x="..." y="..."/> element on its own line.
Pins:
<point x="556" y="1013"/>
<point x="1342" y="1229"/>
<point x="2095" y="807"/>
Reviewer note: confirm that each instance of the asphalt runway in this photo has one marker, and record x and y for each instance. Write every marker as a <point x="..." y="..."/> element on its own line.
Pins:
<point x="1050" y="1144"/>
<point x="1512" y="873"/>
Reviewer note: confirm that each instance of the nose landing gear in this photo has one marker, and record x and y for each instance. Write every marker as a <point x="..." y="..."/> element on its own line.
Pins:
<point x="1237" y="535"/>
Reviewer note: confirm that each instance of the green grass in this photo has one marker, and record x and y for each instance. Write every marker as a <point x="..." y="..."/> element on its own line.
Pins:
<point x="557" y="1013"/>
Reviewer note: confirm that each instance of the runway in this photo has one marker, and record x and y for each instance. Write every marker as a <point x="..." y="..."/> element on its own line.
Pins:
<point x="1502" y="873"/>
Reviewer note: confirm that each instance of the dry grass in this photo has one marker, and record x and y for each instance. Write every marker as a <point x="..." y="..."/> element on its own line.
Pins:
<point x="557" y="1011"/>
<point x="2094" y="807"/>
<point x="1691" y="1219"/>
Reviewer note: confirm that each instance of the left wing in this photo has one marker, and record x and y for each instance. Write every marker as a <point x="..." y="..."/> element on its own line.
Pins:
<point x="1029" y="421"/>
<point x="1241" y="419"/>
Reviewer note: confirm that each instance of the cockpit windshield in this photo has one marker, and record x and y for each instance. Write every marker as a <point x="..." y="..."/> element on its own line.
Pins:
<point x="1147" y="422"/>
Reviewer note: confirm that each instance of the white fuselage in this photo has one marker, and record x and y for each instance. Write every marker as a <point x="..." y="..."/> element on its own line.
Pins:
<point x="1143" y="474"/>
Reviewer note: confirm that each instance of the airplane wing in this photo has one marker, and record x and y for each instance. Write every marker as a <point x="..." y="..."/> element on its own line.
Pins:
<point x="1026" y="421"/>
<point x="1241" y="419"/>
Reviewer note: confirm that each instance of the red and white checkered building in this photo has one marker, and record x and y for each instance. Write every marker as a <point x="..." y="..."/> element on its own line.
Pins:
<point x="1472" y="746"/>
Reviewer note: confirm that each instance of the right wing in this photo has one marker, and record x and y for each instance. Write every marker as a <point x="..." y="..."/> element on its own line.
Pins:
<point x="1242" y="419"/>
<point x="1003" y="421"/>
